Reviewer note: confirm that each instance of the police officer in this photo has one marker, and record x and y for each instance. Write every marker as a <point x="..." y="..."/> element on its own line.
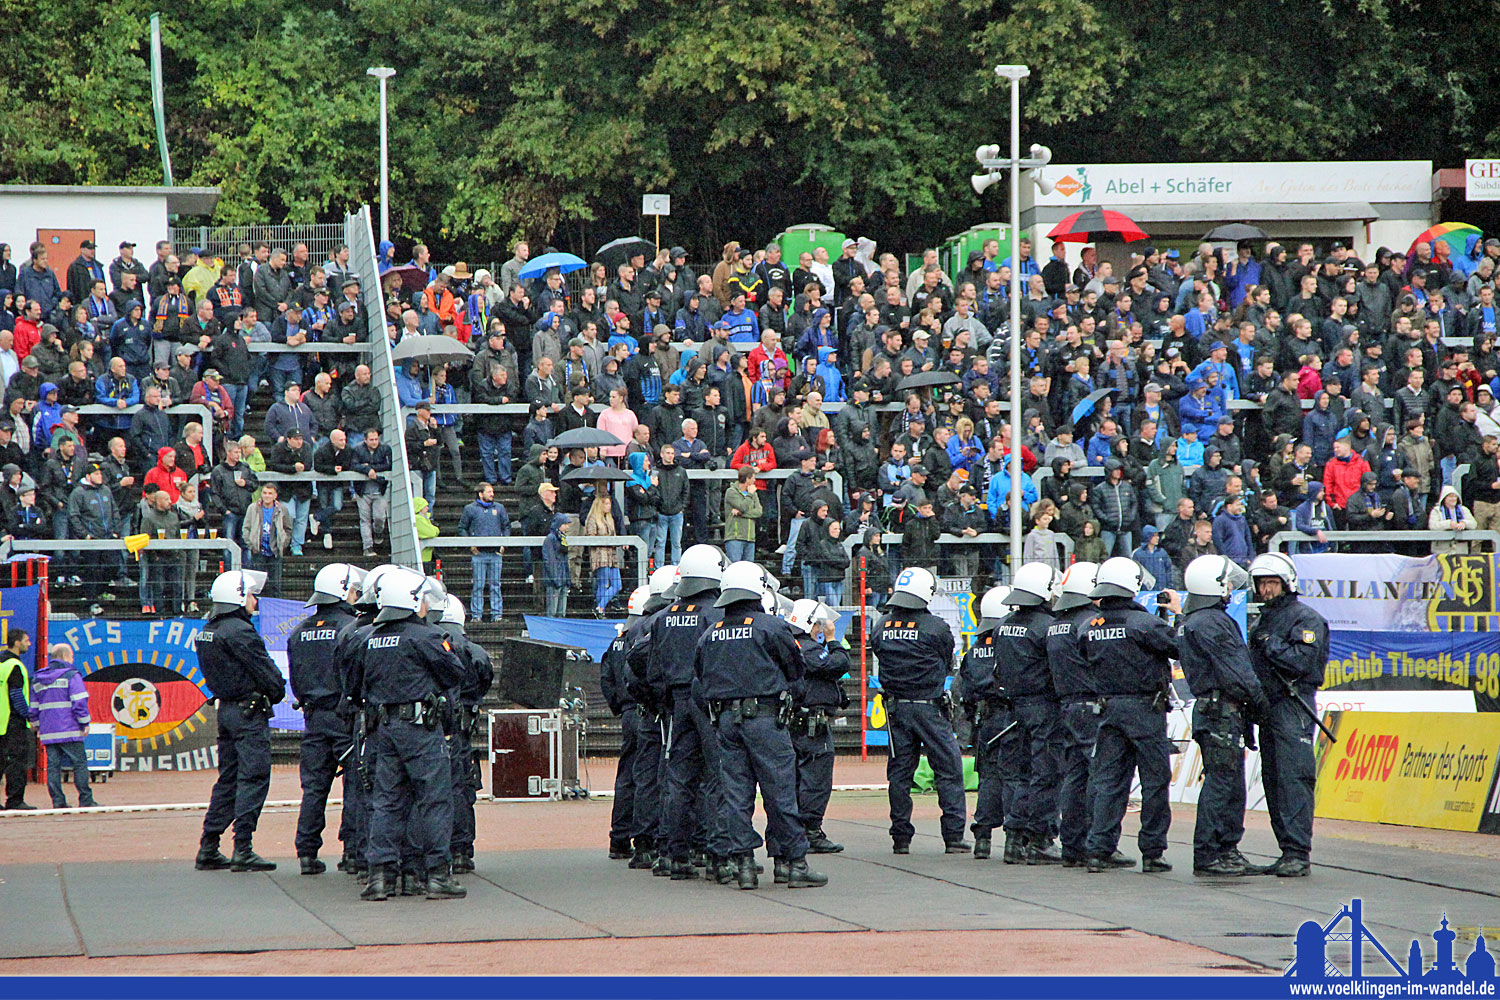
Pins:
<point x="245" y="684"/>
<point x="651" y="727"/>
<point x="1029" y="753"/>
<point x="691" y="748"/>
<point x="318" y="690"/>
<point x="1128" y="651"/>
<point x="479" y="675"/>
<point x="348" y="653"/>
<point x="406" y="665"/>
<point x="816" y="697"/>
<point x="915" y="652"/>
<point x="1226" y="694"/>
<point x="745" y="663"/>
<point x="1289" y="650"/>
<point x="614" y="676"/>
<point x="1079" y="708"/>
<point x="988" y="708"/>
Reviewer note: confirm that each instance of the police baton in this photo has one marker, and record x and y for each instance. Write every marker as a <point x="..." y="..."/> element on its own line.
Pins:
<point x="991" y="741"/>
<point x="1291" y="690"/>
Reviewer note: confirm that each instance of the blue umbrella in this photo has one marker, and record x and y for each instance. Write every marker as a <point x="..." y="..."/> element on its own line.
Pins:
<point x="1086" y="405"/>
<point x="564" y="262"/>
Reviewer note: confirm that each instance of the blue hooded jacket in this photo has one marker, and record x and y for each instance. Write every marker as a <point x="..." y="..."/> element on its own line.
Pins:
<point x="555" y="554"/>
<point x="47" y="416"/>
<point x="833" y="379"/>
<point x="387" y="256"/>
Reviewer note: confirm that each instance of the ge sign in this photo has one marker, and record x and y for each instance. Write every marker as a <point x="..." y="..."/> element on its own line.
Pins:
<point x="656" y="204"/>
<point x="1482" y="180"/>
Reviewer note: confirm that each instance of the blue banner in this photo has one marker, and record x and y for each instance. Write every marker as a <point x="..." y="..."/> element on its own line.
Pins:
<point x="275" y="620"/>
<point x="592" y="634"/>
<point x="18" y="610"/>
<point x="1415" y="659"/>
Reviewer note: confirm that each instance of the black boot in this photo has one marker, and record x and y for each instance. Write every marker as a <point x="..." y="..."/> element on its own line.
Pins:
<point x="725" y="870"/>
<point x="818" y="843"/>
<point x="663" y="866"/>
<point x="1015" y="848"/>
<point x="699" y="859"/>
<point x="463" y="862"/>
<point x="958" y="847"/>
<point x="1098" y="864"/>
<point x="1222" y="866"/>
<point x="799" y="876"/>
<point x="378" y="888"/>
<point x="1042" y="851"/>
<point x="779" y="870"/>
<point x="246" y="860"/>
<point x="642" y="859"/>
<point x="348" y="863"/>
<point x="683" y="870"/>
<point x="413" y="884"/>
<point x="440" y="885"/>
<point x="1287" y="867"/>
<point x="312" y="866"/>
<point x="746" y="872"/>
<point x="1118" y="860"/>
<point x="360" y="870"/>
<point x="982" y="848"/>
<point x="901" y="847"/>
<point x="210" y="859"/>
<point x="1155" y="864"/>
<point x="619" y="850"/>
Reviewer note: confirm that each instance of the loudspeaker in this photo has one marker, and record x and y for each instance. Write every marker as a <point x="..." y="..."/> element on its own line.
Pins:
<point x="538" y="674"/>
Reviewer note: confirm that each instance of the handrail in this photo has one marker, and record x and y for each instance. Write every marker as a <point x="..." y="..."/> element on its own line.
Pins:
<point x="226" y="544"/>
<point x="317" y="477"/>
<point x="1290" y="537"/>
<point x="200" y="410"/>
<point x="315" y="347"/>
<point x="532" y="541"/>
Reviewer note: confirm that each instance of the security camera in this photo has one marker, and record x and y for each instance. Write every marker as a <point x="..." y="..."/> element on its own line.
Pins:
<point x="990" y="152"/>
<point x="1041" y="153"/>
<point x="983" y="182"/>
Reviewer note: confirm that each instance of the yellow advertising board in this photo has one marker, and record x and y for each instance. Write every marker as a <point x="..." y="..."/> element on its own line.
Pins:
<point x="1413" y="768"/>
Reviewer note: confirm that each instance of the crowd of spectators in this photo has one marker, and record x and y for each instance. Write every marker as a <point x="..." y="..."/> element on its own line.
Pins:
<point x="1252" y="389"/>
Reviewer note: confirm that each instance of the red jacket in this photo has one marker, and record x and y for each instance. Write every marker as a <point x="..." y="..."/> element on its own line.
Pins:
<point x="1341" y="479"/>
<point x="763" y="458"/>
<point x="27" y="336"/>
<point x="171" y="479"/>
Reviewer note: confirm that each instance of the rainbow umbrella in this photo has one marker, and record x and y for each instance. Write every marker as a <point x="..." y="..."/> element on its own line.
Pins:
<point x="1455" y="234"/>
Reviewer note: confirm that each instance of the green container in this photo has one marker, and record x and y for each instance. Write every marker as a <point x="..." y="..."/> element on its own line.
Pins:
<point x="797" y="240"/>
<point x="923" y="780"/>
<point x="956" y="249"/>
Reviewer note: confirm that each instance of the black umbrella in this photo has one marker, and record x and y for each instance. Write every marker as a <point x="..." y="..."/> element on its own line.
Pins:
<point x="922" y="380"/>
<point x="617" y="252"/>
<point x="1233" y="232"/>
<point x="585" y="437"/>
<point x="596" y="472"/>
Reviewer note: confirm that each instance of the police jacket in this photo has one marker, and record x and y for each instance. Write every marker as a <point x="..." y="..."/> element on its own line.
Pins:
<point x="822" y="669"/>
<point x="234" y="661"/>
<point x="915" y="649"/>
<point x="1071" y="676"/>
<point x="348" y="653"/>
<point x="480" y="677"/>
<point x="407" y="660"/>
<point x="614" y="671"/>
<point x="1127" y="648"/>
<point x="745" y="653"/>
<point x="311" y="657"/>
<point x="638" y="653"/>
<point x="1021" y="653"/>
<point x="1289" y="644"/>
<point x="1214" y="657"/>
<point x="976" y="673"/>
<point x="674" y="636"/>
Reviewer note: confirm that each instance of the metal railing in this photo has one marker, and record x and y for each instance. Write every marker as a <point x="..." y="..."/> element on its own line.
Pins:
<point x="200" y="410"/>
<point x="321" y="238"/>
<point x="1282" y="538"/>
<point x="535" y="541"/>
<point x="226" y="545"/>
<point x="317" y="347"/>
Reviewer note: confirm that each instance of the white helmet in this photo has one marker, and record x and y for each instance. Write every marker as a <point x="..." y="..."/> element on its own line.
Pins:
<point x="638" y="598"/>
<point x="662" y="579"/>
<point x="1077" y="584"/>
<point x="370" y="590"/>
<point x="702" y="566"/>
<point x="1276" y="564"/>
<point x="804" y="615"/>
<point x="914" y="589"/>
<point x="453" y="612"/>
<point x="436" y="596"/>
<point x="1118" y="577"/>
<point x="334" y="581"/>
<point x="402" y="592"/>
<point x="1210" y="579"/>
<point x="1034" y="585"/>
<point x="742" y="581"/>
<point x="234" y="589"/>
<point x="992" y="607"/>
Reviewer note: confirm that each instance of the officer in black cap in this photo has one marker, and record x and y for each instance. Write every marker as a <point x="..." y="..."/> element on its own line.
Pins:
<point x="690" y="748"/>
<point x="318" y="690"/>
<point x="1030" y="760"/>
<point x="816" y="697"/>
<point x="245" y="684"/>
<point x="1128" y="651"/>
<point x="651" y="721"/>
<point x="1226" y="694"/>
<point x="406" y="665"/>
<point x="614" y="684"/>
<point x="1289" y="651"/>
<point x="988" y="708"/>
<point x="745" y="664"/>
<point x="915" y="652"/>
<point x="463" y="723"/>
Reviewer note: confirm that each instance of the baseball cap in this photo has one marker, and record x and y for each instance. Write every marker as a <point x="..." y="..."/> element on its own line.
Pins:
<point x="848" y="243"/>
<point x="1152" y="387"/>
<point x="126" y="243"/>
<point x="185" y="350"/>
<point x="213" y="373"/>
<point x="30" y="362"/>
<point x="653" y="293"/>
<point x="546" y="488"/>
<point x="86" y="245"/>
<point x="677" y="252"/>
<point x="296" y="432"/>
<point x="196" y="251"/>
<point x="919" y="470"/>
<point x="578" y="342"/>
<point x="1173" y="254"/>
<point x="68" y="408"/>
<point x="350" y="280"/>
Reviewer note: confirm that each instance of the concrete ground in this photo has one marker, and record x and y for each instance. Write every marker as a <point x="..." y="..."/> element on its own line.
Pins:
<point x="113" y="893"/>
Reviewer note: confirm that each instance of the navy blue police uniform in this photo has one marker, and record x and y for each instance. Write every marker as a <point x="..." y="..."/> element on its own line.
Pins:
<point x="990" y="707"/>
<point x="651" y="721"/>
<point x="479" y="675"/>
<point x="1289" y="651"/>
<point x="692" y="797"/>
<point x="1225" y="693"/>
<point x="915" y="653"/>
<point x="1128" y="651"/>
<point x="1029" y="760"/>
<point x="313" y="670"/>
<point x="816" y="698"/>
<point x="614" y="678"/>
<point x="1078" y="725"/>
<point x="245" y="683"/>
<point x="405" y="666"/>
<point x="746" y="662"/>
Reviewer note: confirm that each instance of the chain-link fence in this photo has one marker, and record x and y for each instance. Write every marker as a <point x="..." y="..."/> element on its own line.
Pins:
<point x="224" y="241"/>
